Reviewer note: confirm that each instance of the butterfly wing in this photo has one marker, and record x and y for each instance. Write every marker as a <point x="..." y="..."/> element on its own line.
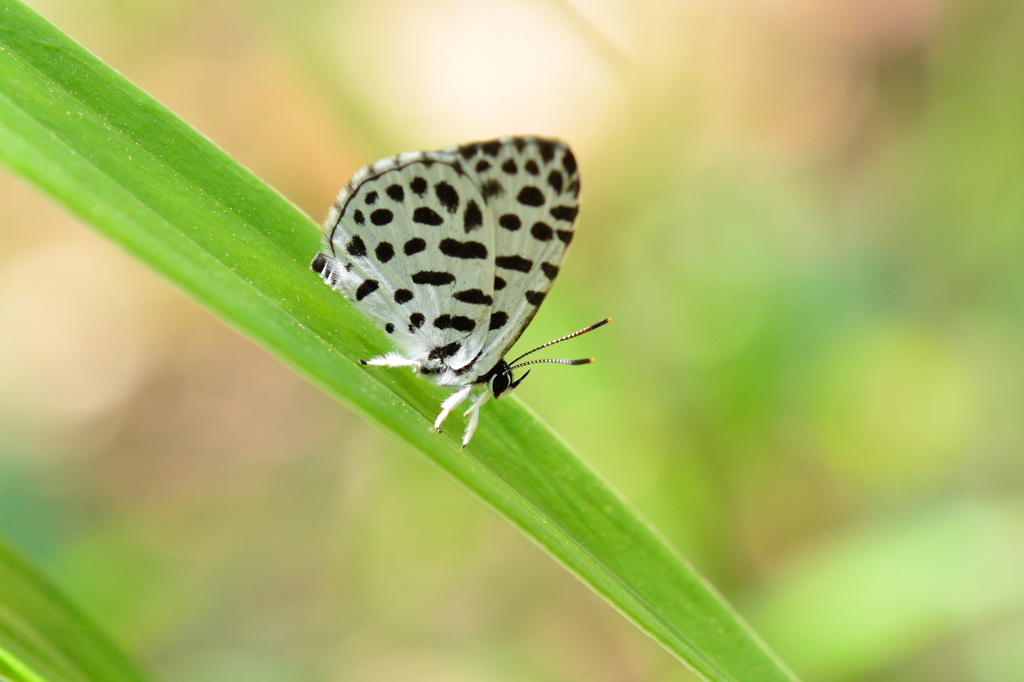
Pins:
<point x="412" y="246"/>
<point x="531" y="186"/>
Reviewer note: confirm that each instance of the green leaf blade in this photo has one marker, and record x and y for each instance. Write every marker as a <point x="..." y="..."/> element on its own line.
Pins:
<point x="129" y="167"/>
<point x="43" y="638"/>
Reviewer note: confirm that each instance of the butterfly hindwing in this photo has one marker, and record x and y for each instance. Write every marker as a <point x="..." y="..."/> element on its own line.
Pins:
<point x="414" y="250"/>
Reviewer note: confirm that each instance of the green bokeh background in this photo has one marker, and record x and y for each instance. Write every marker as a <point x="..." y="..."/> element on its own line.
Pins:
<point x="807" y="220"/>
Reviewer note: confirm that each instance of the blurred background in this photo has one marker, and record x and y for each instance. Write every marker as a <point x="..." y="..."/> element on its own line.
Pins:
<point x="807" y="219"/>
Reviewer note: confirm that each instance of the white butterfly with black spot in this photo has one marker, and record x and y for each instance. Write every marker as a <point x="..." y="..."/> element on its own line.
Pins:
<point x="452" y="253"/>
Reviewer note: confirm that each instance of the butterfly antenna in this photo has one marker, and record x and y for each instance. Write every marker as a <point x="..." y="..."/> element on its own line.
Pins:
<point x="559" y="361"/>
<point x="564" y="338"/>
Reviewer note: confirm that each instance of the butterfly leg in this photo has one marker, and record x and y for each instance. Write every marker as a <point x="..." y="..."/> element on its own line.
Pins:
<point x="392" y="360"/>
<point x="450" y="403"/>
<point x="474" y="419"/>
<point x="480" y="399"/>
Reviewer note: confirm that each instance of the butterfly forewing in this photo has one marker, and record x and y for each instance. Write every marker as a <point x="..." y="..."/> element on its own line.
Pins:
<point x="531" y="186"/>
<point x="414" y="245"/>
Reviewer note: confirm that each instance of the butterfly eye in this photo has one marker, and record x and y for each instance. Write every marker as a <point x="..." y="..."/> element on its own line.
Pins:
<point x="500" y="382"/>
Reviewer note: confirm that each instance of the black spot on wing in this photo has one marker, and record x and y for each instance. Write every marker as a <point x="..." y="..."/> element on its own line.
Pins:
<point x="442" y="352"/>
<point x="456" y="322"/>
<point x="358" y="217"/>
<point x="498" y="320"/>
<point x="555" y="181"/>
<point x="468" y="151"/>
<point x="371" y="198"/>
<point x="566" y="213"/>
<point x="492" y="148"/>
<point x="403" y="296"/>
<point x="510" y="221"/>
<point x="569" y="162"/>
<point x="565" y="236"/>
<point x="520" y="143"/>
<point x="517" y="263"/>
<point x="356" y="247"/>
<point x="542" y="232"/>
<point x="366" y="288"/>
<point x="396" y="193"/>
<point x="384" y="252"/>
<point x="535" y="297"/>
<point x="510" y="167"/>
<point x="547" y="150"/>
<point x="550" y="271"/>
<point x="574" y="188"/>
<point x="530" y="196"/>
<point x="499" y="283"/>
<point x="447" y="195"/>
<point x="426" y="216"/>
<point x="463" y="324"/>
<point x="433" y="278"/>
<point x="474" y="296"/>
<point x="456" y="249"/>
<point x="531" y="167"/>
<point x="381" y="216"/>
<point x="416" y="320"/>
<point x="482" y="165"/>
<point x="473" y="218"/>
<point x="414" y="245"/>
<point x="319" y="263"/>
<point x="492" y="188"/>
<point x="418" y="186"/>
<point x="389" y="327"/>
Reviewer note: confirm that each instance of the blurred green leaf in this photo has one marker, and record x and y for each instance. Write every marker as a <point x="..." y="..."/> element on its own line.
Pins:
<point x="877" y="595"/>
<point x="129" y="167"/>
<point x="44" y="638"/>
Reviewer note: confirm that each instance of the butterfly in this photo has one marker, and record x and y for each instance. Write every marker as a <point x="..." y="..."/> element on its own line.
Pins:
<point x="452" y="253"/>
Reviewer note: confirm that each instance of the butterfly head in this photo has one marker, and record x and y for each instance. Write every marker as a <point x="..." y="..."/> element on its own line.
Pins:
<point x="501" y="379"/>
